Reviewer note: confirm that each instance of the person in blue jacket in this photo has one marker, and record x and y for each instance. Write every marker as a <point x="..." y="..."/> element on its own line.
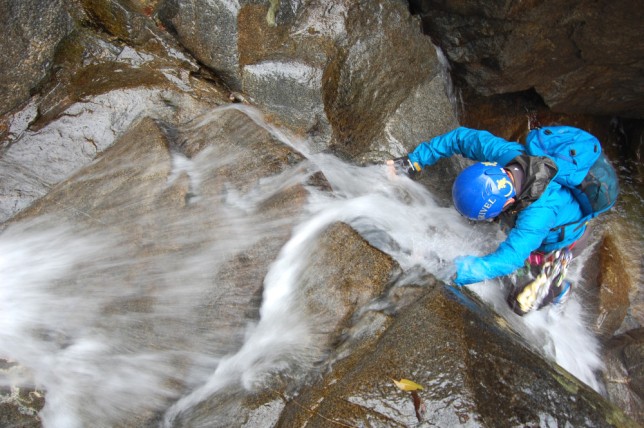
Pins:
<point x="516" y="188"/>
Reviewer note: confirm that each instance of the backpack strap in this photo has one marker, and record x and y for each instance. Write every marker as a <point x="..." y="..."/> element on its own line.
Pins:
<point x="539" y="171"/>
<point x="574" y="227"/>
<point x="596" y="194"/>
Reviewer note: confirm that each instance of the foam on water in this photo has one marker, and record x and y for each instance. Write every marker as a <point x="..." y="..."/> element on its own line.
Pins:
<point x="62" y="288"/>
<point x="561" y="334"/>
<point x="431" y="236"/>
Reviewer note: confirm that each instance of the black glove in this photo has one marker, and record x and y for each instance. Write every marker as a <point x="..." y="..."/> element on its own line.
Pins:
<point x="405" y="166"/>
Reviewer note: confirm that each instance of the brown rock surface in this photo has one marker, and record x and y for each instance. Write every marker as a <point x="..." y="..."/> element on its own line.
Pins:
<point x="580" y="57"/>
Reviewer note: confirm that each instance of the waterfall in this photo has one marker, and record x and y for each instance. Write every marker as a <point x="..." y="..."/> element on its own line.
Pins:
<point x="111" y="330"/>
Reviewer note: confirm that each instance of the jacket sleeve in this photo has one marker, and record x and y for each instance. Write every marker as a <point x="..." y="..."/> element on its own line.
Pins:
<point x="532" y="226"/>
<point x="473" y="144"/>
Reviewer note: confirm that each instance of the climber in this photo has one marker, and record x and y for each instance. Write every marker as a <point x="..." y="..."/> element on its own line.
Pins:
<point x="525" y="188"/>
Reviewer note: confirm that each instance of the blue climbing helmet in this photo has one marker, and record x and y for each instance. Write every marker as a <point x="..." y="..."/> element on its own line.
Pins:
<point x="480" y="191"/>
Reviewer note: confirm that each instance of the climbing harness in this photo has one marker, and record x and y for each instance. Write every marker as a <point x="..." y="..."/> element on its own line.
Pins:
<point x="548" y="286"/>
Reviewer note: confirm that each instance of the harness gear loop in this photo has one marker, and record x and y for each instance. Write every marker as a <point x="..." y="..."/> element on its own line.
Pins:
<point x="553" y="268"/>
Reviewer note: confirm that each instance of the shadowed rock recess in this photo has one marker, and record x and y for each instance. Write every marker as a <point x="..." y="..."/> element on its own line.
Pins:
<point x="151" y="142"/>
<point x="580" y="57"/>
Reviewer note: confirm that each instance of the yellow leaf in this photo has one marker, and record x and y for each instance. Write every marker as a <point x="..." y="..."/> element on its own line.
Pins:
<point x="407" y="385"/>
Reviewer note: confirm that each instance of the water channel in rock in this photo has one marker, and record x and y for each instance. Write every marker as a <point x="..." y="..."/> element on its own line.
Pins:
<point x="109" y="330"/>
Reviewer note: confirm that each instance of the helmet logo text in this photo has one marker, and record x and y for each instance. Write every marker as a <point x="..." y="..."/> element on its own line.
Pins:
<point x="486" y="206"/>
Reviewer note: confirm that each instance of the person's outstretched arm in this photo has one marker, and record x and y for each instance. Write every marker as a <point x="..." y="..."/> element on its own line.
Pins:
<point x="533" y="225"/>
<point x="473" y="144"/>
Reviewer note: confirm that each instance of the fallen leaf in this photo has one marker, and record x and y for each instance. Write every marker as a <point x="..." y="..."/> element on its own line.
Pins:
<point x="407" y="385"/>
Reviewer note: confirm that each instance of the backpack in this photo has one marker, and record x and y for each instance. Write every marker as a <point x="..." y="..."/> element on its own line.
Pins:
<point x="582" y="168"/>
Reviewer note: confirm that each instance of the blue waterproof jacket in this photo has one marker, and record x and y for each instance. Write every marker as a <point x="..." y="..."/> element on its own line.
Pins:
<point x="535" y="227"/>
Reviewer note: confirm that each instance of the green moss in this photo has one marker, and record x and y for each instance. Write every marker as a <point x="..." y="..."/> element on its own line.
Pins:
<point x="102" y="13"/>
<point x="567" y="381"/>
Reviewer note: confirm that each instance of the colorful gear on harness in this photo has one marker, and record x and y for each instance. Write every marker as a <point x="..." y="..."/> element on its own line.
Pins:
<point x="550" y="280"/>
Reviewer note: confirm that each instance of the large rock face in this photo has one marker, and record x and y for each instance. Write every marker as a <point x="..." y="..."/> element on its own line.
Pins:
<point x="174" y="211"/>
<point x="152" y="216"/>
<point x="624" y="372"/>
<point x="314" y="71"/>
<point x="27" y="46"/>
<point x="98" y="87"/>
<point x="470" y="377"/>
<point x="205" y="29"/>
<point x="581" y="57"/>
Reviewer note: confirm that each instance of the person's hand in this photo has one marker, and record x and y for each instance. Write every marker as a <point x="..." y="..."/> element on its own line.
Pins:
<point x="464" y="268"/>
<point x="403" y="165"/>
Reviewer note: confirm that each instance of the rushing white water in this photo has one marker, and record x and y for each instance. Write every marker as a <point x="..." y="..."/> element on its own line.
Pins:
<point x="111" y="332"/>
<point x="562" y="334"/>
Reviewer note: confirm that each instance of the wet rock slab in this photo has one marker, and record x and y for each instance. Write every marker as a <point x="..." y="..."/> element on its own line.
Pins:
<point x="461" y="354"/>
<point x="151" y="216"/>
<point x="624" y="377"/>
<point x="27" y="47"/>
<point x="313" y="71"/>
<point x="332" y="293"/>
<point x="355" y="76"/>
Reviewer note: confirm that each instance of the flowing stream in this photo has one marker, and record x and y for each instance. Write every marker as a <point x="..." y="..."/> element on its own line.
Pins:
<point x="110" y="332"/>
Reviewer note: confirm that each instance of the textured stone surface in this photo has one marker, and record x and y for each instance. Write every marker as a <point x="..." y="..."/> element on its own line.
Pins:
<point x="163" y="220"/>
<point x="314" y="71"/>
<point x="357" y="77"/>
<point x="27" y="46"/>
<point x="336" y="290"/>
<point x="97" y="88"/>
<point x="580" y="56"/>
<point x="453" y="347"/>
<point x="331" y="292"/>
<point x="615" y="286"/>
<point x="353" y="86"/>
<point x="209" y="31"/>
<point x="624" y="375"/>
